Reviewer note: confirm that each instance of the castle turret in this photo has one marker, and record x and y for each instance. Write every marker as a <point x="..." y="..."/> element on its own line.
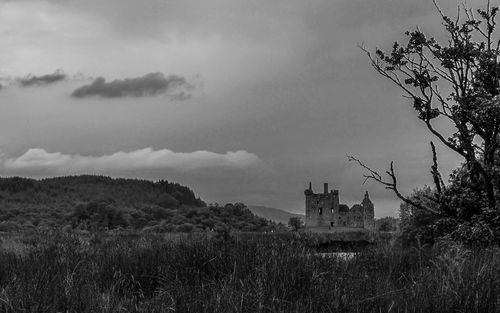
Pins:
<point x="309" y="191"/>
<point x="369" y="212"/>
<point x="366" y="200"/>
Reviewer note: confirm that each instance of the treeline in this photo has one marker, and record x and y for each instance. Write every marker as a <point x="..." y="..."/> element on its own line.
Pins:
<point x="97" y="203"/>
<point x="91" y="187"/>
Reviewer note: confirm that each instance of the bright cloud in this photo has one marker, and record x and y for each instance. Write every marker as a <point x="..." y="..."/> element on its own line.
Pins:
<point x="40" y="160"/>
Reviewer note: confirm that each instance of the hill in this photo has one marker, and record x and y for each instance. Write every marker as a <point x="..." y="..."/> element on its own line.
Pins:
<point x="98" y="203"/>
<point x="273" y="214"/>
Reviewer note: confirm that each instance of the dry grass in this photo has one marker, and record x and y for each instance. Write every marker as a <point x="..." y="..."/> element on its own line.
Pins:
<point x="271" y="273"/>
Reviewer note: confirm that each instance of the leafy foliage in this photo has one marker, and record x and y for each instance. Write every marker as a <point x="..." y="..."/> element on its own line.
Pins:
<point x="466" y="218"/>
<point x="417" y="225"/>
<point x="387" y="224"/>
<point x="295" y="223"/>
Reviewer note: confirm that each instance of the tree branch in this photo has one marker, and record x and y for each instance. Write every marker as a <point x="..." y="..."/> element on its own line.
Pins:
<point x="392" y="184"/>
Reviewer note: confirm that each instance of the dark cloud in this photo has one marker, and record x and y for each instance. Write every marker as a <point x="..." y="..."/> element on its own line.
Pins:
<point x="181" y="96"/>
<point x="151" y="84"/>
<point x="43" y="80"/>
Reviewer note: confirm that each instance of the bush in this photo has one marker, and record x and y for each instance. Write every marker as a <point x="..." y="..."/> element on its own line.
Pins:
<point x="185" y="228"/>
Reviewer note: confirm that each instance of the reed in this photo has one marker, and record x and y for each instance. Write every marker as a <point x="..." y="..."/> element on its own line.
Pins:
<point x="262" y="273"/>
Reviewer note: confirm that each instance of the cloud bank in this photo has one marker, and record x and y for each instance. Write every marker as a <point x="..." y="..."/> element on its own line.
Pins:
<point x="39" y="160"/>
<point x="151" y="84"/>
<point x="31" y="80"/>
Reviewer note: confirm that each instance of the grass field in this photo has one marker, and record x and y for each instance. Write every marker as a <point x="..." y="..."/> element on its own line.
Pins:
<point x="56" y="272"/>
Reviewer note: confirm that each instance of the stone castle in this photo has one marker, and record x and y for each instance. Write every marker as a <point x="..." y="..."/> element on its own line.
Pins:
<point x="323" y="210"/>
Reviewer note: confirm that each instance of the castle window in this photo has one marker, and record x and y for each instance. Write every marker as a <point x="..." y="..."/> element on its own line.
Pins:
<point x="320" y="211"/>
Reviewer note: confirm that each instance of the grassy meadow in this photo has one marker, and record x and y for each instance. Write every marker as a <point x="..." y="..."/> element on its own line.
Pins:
<point x="60" y="272"/>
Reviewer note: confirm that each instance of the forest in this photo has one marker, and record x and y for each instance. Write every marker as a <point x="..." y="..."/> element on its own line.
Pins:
<point x="98" y="203"/>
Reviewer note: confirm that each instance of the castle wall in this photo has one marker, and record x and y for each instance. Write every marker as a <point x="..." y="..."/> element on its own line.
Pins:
<point x="343" y="219"/>
<point x="356" y="216"/>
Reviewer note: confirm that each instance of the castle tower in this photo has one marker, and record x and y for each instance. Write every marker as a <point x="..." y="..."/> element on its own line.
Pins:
<point x="321" y="208"/>
<point x="368" y="212"/>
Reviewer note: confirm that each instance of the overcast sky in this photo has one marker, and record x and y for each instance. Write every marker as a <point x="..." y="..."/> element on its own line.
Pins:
<point x="242" y="101"/>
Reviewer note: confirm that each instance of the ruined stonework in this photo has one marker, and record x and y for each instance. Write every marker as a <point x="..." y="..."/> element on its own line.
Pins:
<point x="323" y="210"/>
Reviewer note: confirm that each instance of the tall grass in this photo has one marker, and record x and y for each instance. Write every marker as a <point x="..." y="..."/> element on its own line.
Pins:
<point x="68" y="273"/>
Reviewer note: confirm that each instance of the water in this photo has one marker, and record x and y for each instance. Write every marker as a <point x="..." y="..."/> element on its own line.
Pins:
<point x="342" y="255"/>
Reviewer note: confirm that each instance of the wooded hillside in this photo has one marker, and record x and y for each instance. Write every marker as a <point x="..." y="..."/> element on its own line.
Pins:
<point x="99" y="202"/>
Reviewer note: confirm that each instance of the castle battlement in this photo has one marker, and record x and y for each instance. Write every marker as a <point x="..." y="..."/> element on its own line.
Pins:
<point x="324" y="210"/>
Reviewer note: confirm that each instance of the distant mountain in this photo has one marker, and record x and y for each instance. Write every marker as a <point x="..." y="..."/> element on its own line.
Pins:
<point x="273" y="214"/>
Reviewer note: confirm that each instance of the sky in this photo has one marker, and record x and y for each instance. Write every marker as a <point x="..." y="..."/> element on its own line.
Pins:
<point x="243" y="101"/>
